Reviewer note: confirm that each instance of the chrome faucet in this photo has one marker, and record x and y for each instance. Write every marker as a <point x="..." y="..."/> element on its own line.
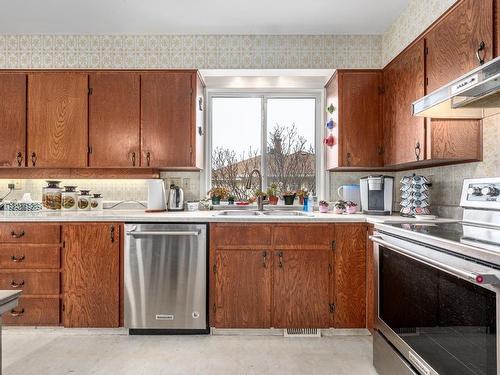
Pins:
<point x="260" y="198"/>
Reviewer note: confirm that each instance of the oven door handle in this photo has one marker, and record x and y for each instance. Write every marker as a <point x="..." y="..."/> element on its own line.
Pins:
<point x="474" y="277"/>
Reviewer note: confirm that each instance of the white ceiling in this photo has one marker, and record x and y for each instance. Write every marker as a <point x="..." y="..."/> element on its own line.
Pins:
<point x="198" y="16"/>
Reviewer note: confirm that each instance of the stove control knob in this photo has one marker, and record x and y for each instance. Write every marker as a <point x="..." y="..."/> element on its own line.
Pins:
<point x="490" y="190"/>
<point x="474" y="190"/>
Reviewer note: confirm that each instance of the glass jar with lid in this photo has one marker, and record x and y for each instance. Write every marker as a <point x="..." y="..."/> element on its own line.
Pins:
<point x="96" y="202"/>
<point x="84" y="200"/>
<point x="69" y="198"/>
<point x="51" y="195"/>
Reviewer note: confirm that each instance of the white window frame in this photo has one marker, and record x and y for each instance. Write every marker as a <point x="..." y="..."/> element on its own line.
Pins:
<point x="322" y="176"/>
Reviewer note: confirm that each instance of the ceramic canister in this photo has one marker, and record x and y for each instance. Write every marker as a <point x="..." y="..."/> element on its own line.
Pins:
<point x="96" y="202"/>
<point x="69" y="198"/>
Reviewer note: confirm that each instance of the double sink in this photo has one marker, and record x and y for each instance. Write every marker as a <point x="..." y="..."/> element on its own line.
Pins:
<point x="281" y="213"/>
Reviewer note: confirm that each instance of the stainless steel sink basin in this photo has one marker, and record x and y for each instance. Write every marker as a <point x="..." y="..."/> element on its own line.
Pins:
<point x="285" y="213"/>
<point x="238" y="213"/>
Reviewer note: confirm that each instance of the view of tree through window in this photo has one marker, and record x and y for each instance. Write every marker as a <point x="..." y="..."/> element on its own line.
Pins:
<point x="289" y="141"/>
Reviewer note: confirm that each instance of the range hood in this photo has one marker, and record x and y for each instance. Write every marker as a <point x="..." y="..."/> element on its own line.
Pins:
<point x="475" y="95"/>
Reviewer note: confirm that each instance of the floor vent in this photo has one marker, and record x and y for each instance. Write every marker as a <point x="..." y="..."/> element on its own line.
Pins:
<point x="302" y="332"/>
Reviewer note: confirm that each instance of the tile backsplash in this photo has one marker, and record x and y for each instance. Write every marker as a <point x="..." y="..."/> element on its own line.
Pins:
<point x="112" y="190"/>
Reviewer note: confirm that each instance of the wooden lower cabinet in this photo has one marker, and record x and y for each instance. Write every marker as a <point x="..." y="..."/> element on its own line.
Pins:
<point x="312" y="281"/>
<point x="350" y="276"/>
<point x="91" y="283"/>
<point x="34" y="311"/>
<point x="243" y="289"/>
<point x="300" y="289"/>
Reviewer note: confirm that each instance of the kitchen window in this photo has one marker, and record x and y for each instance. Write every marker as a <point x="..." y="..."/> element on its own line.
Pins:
<point x="276" y="134"/>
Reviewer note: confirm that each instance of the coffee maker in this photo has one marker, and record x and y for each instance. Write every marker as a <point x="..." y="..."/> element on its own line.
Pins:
<point x="376" y="194"/>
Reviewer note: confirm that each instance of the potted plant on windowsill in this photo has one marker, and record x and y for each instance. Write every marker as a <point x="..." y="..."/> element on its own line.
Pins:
<point x="302" y="193"/>
<point x="351" y="207"/>
<point x="323" y="207"/>
<point x="272" y="194"/>
<point x="218" y="193"/>
<point x="289" y="197"/>
<point x="230" y="199"/>
<point x="339" y="207"/>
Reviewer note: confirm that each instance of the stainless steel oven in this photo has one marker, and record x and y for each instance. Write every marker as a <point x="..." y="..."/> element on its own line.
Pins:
<point x="438" y="310"/>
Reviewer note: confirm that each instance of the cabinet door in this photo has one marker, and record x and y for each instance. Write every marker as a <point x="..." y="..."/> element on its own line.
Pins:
<point x="404" y="134"/>
<point x="300" y="289"/>
<point x="242" y="289"/>
<point x="167" y="119"/>
<point x="350" y="276"/>
<point x="114" y="119"/>
<point x="360" y="137"/>
<point x="57" y="120"/>
<point x="12" y="119"/>
<point x="91" y="275"/>
<point x="453" y="42"/>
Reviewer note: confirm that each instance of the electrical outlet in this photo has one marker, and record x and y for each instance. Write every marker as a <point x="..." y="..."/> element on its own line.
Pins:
<point x="15" y="185"/>
<point x="186" y="183"/>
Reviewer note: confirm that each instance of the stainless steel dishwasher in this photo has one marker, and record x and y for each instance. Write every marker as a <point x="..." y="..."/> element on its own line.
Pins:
<point x="166" y="278"/>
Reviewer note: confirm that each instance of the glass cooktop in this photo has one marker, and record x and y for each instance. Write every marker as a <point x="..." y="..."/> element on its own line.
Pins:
<point x="473" y="235"/>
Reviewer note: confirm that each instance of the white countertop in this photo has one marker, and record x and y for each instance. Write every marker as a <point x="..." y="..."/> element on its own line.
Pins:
<point x="184" y="216"/>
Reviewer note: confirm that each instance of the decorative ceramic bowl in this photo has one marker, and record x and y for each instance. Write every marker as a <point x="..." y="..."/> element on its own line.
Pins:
<point x="324" y="209"/>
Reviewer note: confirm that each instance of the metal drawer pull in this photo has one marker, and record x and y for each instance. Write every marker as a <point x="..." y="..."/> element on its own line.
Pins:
<point x="14" y="312"/>
<point x="17" y="235"/>
<point x="17" y="259"/>
<point x="280" y="259"/>
<point x="474" y="277"/>
<point x="16" y="285"/>
<point x="170" y="233"/>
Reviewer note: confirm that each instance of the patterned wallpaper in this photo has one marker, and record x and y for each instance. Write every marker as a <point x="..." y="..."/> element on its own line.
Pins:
<point x="419" y="15"/>
<point x="190" y="51"/>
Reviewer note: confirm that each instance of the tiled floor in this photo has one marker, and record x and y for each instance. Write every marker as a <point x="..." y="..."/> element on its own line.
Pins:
<point x="58" y="351"/>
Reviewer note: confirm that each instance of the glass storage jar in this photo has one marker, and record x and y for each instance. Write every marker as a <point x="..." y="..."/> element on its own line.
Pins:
<point x="69" y="198"/>
<point x="51" y="195"/>
<point x="96" y="202"/>
<point x="84" y="200"/>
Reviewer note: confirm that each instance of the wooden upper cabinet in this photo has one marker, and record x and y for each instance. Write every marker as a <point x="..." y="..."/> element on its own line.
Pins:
<point x="452" y="44"/>
<point x="57" y="120"/>
<point x="12" y="119"/>
<point x="242" y="289"/>
<point x="91" y="266"/>
<point x="114" y="119"/>
<point x="168" y="119"/>
<point x="358" y="129"/>
<point x="404" y="134"/>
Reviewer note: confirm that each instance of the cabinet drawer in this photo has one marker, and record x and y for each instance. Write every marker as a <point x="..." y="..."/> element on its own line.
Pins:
<point x="30" y="233"/>
<point x="33" y="311"/>
<point x="298" y="236"/>
<point x="241" y="235"/>
<point x="31" y="282"/>
<point x="29" y="256"/>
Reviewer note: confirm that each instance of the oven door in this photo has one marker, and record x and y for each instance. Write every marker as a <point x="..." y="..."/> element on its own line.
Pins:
<point x="438" y="310"/>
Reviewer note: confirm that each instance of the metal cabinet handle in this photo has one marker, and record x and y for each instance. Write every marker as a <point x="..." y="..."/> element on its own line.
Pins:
<point x="160" y="233"/>
<point x="417" y="150"/>
<point x="14" y="312"/>
<point x="13" y="284"/>
<point x="480" y="53"/>
<point x="133" y="159"/>
<point x="17" y="259"/>
<point x="33" y="158"/>
<point x="19" y="158"/>
<point x="349" y="159"/>
<point x="148" y="158"/>
<point x="17" y="235"/>
<point x="264" y="259"/>
<point x="112" y="233"/>
<point x="280" y="259"/>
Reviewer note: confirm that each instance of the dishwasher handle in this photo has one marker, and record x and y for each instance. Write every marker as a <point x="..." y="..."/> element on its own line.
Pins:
<point x="163" y="233"/>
